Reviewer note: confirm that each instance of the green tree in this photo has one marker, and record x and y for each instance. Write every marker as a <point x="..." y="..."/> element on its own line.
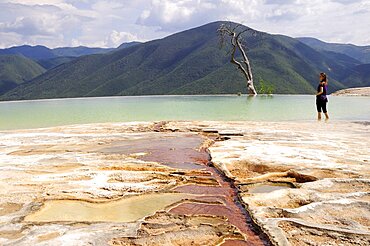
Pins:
<point x="265" y="87"/>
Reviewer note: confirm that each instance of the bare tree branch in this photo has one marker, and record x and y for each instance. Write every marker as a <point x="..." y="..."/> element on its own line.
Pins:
<point x="229" y="31"/>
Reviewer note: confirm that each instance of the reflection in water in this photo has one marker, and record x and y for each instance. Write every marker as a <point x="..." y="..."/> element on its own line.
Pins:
<point x="250" y="98"/>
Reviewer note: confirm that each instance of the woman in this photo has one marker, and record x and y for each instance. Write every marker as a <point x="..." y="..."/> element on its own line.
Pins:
<point x="321" y="99"/>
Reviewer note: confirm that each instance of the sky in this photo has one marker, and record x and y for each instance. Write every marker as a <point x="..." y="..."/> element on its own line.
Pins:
<point x="108" y="23"/>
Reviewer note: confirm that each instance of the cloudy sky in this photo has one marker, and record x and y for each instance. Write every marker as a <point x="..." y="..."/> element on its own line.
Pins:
<point x="108" y="23"/>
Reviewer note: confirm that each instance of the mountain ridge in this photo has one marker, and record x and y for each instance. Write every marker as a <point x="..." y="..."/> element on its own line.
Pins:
<point x="360" y="53"/>
<point x="40" y="52"/>
<point x="190" y="62"/>
<point x="15" y="70"/>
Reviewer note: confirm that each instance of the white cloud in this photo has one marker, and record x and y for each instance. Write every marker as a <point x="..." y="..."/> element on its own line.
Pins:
<point x="331" y="20"/>
<point x="108" y="23"/>
<point x="57" y="23"/>
<point x="171" y="15"/>
<point x="50" y="22"/>
<point x="10" y="39"/>
<point x="346" y="1"/>
<point x="57" y="3"/>
<point x="29" y="26"/>
<point x="117" y="38"/>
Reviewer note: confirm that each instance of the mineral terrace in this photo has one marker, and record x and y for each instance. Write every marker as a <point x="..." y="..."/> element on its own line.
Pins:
<point x="186" y="183"/>
<point x="359" y="91"/>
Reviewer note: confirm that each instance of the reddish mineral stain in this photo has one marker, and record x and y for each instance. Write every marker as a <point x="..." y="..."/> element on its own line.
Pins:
<point x="170" y="149"/>
<point x="180" y="150"/>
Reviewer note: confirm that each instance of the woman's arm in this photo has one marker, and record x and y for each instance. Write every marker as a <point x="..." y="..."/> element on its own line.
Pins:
<point x="321" y="91"/>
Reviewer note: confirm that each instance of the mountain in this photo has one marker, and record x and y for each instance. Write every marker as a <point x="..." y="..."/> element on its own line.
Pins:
<point x="359" y="76"/>
<point x="49" y="58"/>
<point x="39" y="52"/>
<point x="189" y="62"/>
<point x="79" y="51"/>
<point x="82" y="50"/>
<point x="54" y="62"/>
<point x="360" y="53"/>
<point x="16" y="69"/>
<point x="345" y="63"/>
<point x="128" y="44"/>
<point x="33" y="52"/>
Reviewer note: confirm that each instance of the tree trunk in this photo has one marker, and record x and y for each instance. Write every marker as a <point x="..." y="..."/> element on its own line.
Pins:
<point x="237" y="45"/>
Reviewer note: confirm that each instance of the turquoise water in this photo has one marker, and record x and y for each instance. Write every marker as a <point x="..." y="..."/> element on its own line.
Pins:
<point x="55" y="112"/>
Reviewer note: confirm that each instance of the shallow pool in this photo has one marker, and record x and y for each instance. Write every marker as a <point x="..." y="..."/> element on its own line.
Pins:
<point x="55" y="112"/>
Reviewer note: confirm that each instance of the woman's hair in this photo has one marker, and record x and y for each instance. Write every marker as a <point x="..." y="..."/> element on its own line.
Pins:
<point x="324" y="78"/>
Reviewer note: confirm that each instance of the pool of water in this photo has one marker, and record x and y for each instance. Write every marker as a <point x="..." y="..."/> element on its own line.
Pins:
<point x="55" y="112"/>
<point x="125" y="210"/>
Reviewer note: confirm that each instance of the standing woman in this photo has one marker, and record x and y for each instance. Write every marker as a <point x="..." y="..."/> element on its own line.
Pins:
<point x="321" y="98"/>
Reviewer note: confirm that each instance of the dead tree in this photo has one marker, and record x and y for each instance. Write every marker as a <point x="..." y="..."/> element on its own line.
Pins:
<point x="230" y="31"/>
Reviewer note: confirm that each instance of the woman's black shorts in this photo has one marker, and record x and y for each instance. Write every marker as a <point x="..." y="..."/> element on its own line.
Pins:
<point x="321" y="104"/>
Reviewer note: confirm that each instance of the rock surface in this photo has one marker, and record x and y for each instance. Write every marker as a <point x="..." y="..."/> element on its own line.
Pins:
<point x="361" y="91"/>
<point x="303" y="183"/>
<point x="115" y="184"/>
<point x="326" y="166"/>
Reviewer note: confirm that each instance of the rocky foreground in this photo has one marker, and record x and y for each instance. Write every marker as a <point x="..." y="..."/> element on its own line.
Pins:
<point x="186" y="183"/>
